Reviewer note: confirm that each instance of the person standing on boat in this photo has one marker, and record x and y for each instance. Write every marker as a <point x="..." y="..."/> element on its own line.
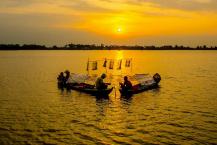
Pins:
<point x="61" y="78"/>
<point x="127" y="85"/>
<point x="67" y="77"/>
<point x="100" y="84"/>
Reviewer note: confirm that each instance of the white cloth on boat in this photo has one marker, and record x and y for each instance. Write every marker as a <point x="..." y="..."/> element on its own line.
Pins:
<point x="147" y="82"/>
<point x="141" y="76"/>
<point x="128" y="63"/>
<point x="111" y="64"/>
<point x="144" y="79"/>
<point x="105" y="63"/>
<point x="77" y="78"/>
<point x="119" y="64"/>
<point x="94" y="65"/>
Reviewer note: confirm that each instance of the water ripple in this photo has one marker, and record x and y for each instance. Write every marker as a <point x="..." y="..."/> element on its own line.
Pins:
<point x="182" y="111"/>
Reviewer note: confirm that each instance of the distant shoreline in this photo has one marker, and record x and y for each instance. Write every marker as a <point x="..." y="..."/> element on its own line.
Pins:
<point x="98" y="49"/>
<point x="15" y="47"/>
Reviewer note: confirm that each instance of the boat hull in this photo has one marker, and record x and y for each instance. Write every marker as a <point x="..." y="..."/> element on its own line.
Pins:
<point x="94" y="91"/>
<point x="139" y="89"/>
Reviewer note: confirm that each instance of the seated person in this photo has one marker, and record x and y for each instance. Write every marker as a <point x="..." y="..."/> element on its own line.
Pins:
<point x="100" y="84"/>
<point x="127" y="85"/>
<point x="67" y="77"/>
<point x="61" y="78"/>
<point x="157" y="78"/>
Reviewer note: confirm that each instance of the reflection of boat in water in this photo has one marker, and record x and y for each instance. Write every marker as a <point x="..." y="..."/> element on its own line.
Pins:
<point x="146" y="85"/>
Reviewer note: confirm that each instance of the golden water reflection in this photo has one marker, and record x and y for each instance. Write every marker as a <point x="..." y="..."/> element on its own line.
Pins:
<point x="34" y="111"/>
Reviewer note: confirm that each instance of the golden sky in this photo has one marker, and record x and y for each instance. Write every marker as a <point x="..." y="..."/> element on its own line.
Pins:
<point x="130" y="22"/>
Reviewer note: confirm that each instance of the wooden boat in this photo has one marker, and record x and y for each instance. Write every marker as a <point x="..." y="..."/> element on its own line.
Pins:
<point x="90" y="89"/>
<point x="138" y="89"/>
<point x="93" y="91"/>
<point x="148" y="85"/>
<point x="86" y="88"/>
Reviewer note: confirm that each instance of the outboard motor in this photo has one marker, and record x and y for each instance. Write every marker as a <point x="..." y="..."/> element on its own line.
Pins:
<point x="157" y="78"/>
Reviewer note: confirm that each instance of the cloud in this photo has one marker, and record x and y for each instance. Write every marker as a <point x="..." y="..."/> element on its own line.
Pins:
<point x="85" y="6"/>
<point x="17" y="3"/>
<point x="98" y="4"/>
<point x="190" y="5"/>
<point x="37" y="19"/>
<point x="111" y="6"/>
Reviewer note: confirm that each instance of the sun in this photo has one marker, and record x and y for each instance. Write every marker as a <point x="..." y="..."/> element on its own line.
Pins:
<point x="119" y="30"/>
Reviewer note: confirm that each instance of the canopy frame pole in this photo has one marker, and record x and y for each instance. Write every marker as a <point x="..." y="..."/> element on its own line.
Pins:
<point x="88" y="61"/>
<point x="131" y="65"/>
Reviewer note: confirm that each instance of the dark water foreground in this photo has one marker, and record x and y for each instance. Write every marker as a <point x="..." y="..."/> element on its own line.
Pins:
<point x="182" y="111"/>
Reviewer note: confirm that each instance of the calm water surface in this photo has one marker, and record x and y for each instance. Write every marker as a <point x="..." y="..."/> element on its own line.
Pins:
<point x="182" y="111"/>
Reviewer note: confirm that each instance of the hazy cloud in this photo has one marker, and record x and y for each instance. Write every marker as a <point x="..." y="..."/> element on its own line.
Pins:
<point x="53" y="20"/>
<point x="101" y="5"/>
<point x="210" y="5"/>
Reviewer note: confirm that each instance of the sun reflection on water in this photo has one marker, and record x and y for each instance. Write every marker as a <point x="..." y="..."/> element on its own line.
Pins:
<point x="119" y="55"/>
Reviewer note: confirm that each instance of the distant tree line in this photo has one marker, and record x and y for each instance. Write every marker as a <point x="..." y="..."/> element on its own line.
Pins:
<point x="100" y="47"/>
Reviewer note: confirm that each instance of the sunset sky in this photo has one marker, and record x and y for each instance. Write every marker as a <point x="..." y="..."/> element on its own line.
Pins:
<point x="123" y="22"/>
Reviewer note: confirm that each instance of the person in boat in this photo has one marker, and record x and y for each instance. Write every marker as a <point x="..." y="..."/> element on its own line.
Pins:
<point x="157" y="78"/>
<point x="100" y="85"/>
<point x="61" y="78"/>
<point x="67" y="75"/>
<point x="127" y="85"/>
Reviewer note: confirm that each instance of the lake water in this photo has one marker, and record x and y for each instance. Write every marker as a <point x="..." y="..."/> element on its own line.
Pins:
<point x="182" y="111"/>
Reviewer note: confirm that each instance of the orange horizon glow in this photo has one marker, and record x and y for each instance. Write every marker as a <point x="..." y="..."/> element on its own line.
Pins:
<point x="118" y="20"/>
<point x="137" y="25"/>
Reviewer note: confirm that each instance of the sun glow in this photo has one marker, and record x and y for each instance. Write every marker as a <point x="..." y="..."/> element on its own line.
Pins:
<point x="119" y="30"/>
<point x="140" y="23"/>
